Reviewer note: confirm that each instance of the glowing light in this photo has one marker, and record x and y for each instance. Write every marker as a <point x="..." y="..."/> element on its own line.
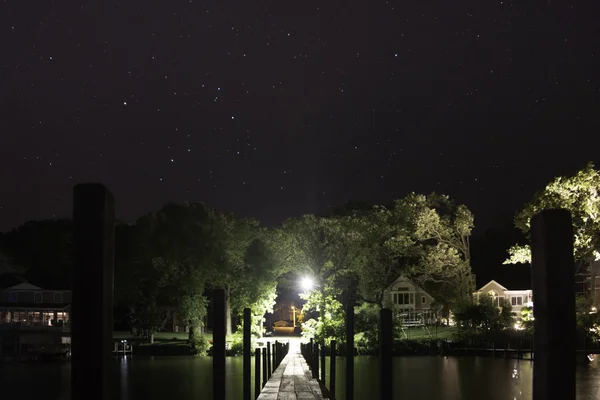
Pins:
<point x="307" y="283"/>
<point x="518" y="326"/>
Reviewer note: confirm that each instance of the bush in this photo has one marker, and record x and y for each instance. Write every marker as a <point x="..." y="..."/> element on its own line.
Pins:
<point x="237" y="343"/>
<point x="200" y="344"/>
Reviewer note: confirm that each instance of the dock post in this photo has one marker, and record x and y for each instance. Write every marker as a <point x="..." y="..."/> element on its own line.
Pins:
<point x="264" y="368"/>
<point x="553" y="286"/>
<point x="92" y="296"/>
<point x="385" y="353"/>
<point x="274" y="363"/>
<point x="247" y="350"/>
<point x="219" y="351"/>
<point x="311" y="348"/>
<point x="270" y="366"/>
<point x="257" y="373"/>
<point x="315" y="366"/>
<point x="323" y="363"/>
<point x="332" y="368"/>
<point x="351" y="297"/>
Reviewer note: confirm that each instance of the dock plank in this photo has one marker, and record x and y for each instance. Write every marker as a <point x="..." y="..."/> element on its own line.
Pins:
<point x="292" y="380"/>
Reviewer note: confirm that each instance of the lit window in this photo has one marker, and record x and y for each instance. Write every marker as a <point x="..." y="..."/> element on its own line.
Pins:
<point x="516" y="301"/>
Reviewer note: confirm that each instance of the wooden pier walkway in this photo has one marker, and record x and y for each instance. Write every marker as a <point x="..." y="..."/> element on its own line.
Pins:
<point x="292" y="380"/>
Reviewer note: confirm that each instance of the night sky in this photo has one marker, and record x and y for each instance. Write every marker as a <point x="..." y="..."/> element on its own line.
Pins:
<point x="277" y="108"/>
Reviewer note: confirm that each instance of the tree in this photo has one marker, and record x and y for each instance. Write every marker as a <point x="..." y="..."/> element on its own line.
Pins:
<point x="163" y="263"/>
<point x="580" y="195"/>
<point x="383" y="249"/>
<point x="440" y="230"/>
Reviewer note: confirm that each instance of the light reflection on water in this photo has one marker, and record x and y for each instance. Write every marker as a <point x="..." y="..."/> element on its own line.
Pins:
<point x="448" y="378"/>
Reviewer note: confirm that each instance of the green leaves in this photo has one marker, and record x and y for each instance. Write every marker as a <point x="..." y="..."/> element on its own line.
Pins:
<point x="580" y="195"/>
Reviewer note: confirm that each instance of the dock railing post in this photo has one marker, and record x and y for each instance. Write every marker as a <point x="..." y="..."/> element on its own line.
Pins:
<point x="315" y="366"/>
<point x="332" y="368"/>
<point x="270" y="366"/>
<point x="264" y="368"/>
<point x="351" y="298"/>
<point x="553" y="287"/>
<point x="257" y="373"/>
<point x="219" y="350"/>
<point x="385" y="354"/>
<point x="323" y="363"/>
<point x="247" y="350"/>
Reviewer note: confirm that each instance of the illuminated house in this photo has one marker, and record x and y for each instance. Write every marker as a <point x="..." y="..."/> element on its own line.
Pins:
<point x="30" y="306"/>
<point x="409" y="301"/>
<point x="501" y="295"/>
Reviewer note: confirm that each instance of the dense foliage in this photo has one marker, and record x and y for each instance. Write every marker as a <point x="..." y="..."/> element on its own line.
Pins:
<point x="580" y="195"/>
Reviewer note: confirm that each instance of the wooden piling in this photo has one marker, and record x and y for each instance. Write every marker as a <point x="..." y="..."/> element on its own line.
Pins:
<point x="92" y="296"/>
<point x="264" y="368"/>
<point x="257" y="386"/>
<point x="385" y="354"/>
<point x="270" y="365"/>
<point x="351" y="298"/>
<point x="247" y="350"/>
<point x="332" y="368"/>
<point x="219" y="350"/>
<point x="323" y="363"/>
<point x="315" y="362"/>
<point x="311" y="348"/>
<point x="553" y="305"/>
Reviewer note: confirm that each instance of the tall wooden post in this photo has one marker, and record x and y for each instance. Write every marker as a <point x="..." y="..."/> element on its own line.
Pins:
<point x="332" y="368"/>
<point x="385" y="354"/>
<point x="270" y="365"/>
<point x="92" y="296"/>
<point x="553" y="305"/>
<point x="247" y="370"/>
<point x="351" y="298"/>
<point x="257" y="386"/>
<point x="311" y="348"/>
<point x="219" y="351"/>
<point x="264" y="368"/>
<point x="323" y="363"/>
<point x="315" y="362"/>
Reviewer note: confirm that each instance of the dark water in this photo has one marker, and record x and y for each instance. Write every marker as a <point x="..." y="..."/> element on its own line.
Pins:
<point x="191" y="377"/>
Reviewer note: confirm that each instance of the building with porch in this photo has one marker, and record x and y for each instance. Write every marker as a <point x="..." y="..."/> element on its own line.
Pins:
<point x="34" y="322"/>
<point x="500" y="295"/>
<point x="410" y="302"/>
<point x="30" y="306"/>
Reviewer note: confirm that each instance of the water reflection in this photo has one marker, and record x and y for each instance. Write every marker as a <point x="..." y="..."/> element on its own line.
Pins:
<point x="452" y="378"/>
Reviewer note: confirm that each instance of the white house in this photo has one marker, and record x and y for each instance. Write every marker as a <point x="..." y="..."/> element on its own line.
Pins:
<point x="409" y="300"/>
<point x="516" y="298"/>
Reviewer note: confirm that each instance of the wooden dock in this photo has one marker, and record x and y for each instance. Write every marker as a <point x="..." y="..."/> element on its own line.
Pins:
<point x="292" y="380"/>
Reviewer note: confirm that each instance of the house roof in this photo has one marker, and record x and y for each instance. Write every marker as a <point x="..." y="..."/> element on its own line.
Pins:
<point x="35" y="306"/>
<point x="403" y="278"/>
<point x="25" y="286"/>
<point x="489" y="283"/>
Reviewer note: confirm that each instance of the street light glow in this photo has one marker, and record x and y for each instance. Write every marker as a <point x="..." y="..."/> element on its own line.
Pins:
<point x="307" y="283"/>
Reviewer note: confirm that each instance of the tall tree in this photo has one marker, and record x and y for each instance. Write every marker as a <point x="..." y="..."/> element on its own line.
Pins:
<point x="580" y="195"/>
<point x="441" y="230"/>
<point x="384" y="249"/>
<point x="164" y="270"/>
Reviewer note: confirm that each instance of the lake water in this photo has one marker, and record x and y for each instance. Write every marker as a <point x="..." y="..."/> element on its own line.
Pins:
<point x="154" y="378"/>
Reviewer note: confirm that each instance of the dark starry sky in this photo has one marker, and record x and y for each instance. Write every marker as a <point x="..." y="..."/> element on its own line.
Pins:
<point x="278" y="108"/>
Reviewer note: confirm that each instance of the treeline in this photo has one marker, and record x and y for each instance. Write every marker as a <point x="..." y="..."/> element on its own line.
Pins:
<point x="167" y="261"/>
